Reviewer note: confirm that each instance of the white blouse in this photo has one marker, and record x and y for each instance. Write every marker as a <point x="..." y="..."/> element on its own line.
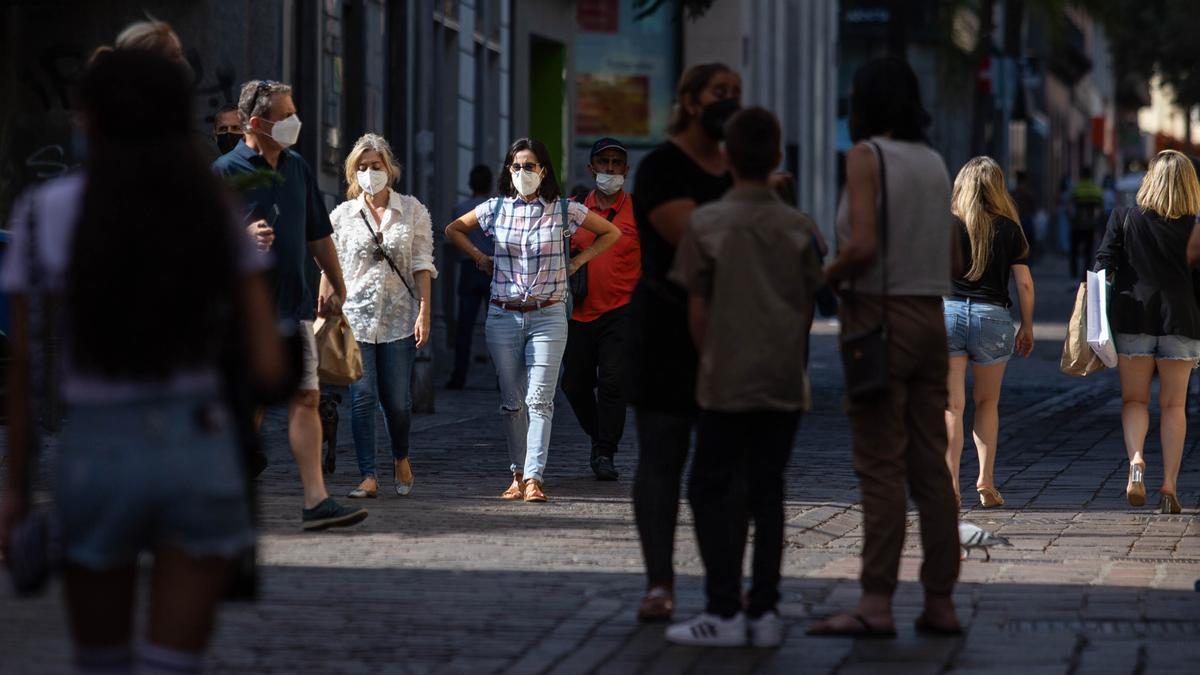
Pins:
<point x="378" y="306"/>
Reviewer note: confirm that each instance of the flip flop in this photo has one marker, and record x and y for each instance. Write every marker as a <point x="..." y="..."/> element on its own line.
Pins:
<point x="864" y="629"/>
<point x="926" y="627"/>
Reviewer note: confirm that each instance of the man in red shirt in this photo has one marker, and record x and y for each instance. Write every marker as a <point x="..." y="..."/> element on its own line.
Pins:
<point x="594" y="363"/>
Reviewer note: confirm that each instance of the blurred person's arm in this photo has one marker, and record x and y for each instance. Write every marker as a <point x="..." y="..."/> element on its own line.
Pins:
<point x="670" y="219"/>
<point x="1024" y="280"/>
<point x="697" y="318"/>
<point x="857" y="252"/>
<point x="262" y="340"/>
<point x="18" y="397"/>
<point x="1193" y="246"/>
<point x="1109" y="253"/>
<point x="332" y="291"/>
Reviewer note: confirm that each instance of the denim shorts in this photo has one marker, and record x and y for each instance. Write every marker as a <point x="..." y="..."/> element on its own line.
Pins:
<point x="980" y="330"/>
<point x="1168" y="347"/>
<point x="132" y="476"/>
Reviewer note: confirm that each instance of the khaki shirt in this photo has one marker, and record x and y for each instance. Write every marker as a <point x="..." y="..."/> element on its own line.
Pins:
<point x="751" y="257"/>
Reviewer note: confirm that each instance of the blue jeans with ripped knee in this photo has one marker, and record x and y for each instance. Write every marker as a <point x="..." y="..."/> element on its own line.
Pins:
<point x="527" y="348"/>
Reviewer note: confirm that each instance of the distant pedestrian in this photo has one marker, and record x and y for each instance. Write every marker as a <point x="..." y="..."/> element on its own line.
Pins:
<point x="751" y="393"/>
<point x="148" y="459"/>
<point x="384" y="242"/>
<point x="288" y="217"/>
<point x="1154" y="314"/>
<point x="474" y="286"/>
<point x="227" y="128"/>
<point x="1026" y="201"/>
<point x="979" y="325"/>
<point x="1087" y="213"/>
<point x="527" y="320"/>
<point x="594" y="377"/>
<point x="899" y="437"/>
<point x="684" y="172"/>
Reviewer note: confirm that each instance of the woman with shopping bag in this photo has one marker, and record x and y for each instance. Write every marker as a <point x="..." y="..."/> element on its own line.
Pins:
<point x="385" y="243"/>
<point x="979" y="325"/>
<point x="1154" y="314"/>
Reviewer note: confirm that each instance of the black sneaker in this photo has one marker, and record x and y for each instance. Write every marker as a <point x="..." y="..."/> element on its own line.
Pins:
<point x="603" y="467"/>
<point x="331" y="514"/>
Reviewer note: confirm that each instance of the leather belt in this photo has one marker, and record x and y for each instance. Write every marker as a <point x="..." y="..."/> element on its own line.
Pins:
<point x="522" y="308"/>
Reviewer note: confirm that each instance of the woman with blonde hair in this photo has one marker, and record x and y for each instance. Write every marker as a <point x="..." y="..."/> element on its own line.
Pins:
<point x="979" y="326"/>
<point x="1154" y="314"/>
<point x="384" y="241"/>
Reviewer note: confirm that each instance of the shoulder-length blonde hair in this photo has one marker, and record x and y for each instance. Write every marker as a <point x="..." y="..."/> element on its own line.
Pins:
<point x="364" y="144"/>
<point x="1170" y="188"/>
<point x="979" y="197"/>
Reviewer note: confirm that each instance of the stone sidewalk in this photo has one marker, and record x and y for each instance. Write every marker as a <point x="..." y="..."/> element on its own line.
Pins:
<point x="452" y="579"/>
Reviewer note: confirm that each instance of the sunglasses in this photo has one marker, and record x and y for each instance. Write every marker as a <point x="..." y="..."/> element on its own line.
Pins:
<point x="527" y="166"/>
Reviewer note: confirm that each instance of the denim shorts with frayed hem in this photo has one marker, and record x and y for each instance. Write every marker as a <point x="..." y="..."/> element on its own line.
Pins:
<point x="1167" y="347"/>
<point x="136" y="475"/>
<point x="980" y="330"/>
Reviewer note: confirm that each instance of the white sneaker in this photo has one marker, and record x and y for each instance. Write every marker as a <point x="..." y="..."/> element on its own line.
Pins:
<point x="709" y="630"/>
<point x="766" y="630"/>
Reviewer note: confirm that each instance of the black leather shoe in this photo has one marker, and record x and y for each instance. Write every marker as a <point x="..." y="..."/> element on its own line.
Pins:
<point x="603" y="467"/>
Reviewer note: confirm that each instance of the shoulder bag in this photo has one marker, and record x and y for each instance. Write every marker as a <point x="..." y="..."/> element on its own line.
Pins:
<point x="865" y="355"/>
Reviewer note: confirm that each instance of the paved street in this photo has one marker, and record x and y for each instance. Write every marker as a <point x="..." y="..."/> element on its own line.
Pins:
<point x="452" y="579"/>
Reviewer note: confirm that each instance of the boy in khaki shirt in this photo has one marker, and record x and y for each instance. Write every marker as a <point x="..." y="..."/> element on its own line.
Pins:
<point x="751" y="271"/>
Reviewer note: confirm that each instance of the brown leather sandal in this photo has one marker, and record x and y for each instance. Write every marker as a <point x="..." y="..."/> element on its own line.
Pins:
<point x="516" y="490"/>
<point x="533" y="491"/>
<point x="989" y="497"/>
<point x="657" y="605"/>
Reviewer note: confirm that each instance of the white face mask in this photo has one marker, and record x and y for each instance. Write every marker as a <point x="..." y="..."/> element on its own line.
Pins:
<point x="286" y="131"/>
<point x="526" y="182"/>
<point x="609" y="183"/>
<point x="372" y="181"/>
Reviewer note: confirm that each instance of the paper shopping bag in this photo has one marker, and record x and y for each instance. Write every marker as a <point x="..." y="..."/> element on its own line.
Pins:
<point x="1099" y="335"/>
<point x="339" y="360"/>
<point x="1078" y="359"/>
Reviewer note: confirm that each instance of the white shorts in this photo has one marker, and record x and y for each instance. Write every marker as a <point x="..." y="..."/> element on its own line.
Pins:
<point x="308" y="340"/>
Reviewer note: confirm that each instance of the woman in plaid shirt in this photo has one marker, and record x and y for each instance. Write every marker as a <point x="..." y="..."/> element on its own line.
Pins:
<point x="527" y="319"/>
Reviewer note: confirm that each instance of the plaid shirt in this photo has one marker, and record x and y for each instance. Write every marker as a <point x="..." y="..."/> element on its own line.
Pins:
<point x="528" y="252"/>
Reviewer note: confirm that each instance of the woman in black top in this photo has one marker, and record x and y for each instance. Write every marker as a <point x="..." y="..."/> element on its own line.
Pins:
<point x="676" y="177"/>
<point x="979" y="326"/>
<point x="1154" y="313"/>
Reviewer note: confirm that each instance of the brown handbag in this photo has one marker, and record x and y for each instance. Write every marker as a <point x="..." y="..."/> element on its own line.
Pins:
<point x="339" y="360"/>
<point x="1078" y="358"/>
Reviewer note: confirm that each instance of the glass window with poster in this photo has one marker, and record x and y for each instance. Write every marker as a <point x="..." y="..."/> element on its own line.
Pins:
<point x="625" y="71"/>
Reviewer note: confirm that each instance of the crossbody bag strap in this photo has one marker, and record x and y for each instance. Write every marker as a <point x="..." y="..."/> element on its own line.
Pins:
<point x="378" y="239"/>
<point x="883" y="232"/>
<point x="562" y="204"/>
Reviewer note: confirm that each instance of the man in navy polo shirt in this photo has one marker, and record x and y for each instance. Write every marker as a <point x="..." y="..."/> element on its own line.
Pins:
<point x="289" y="219"/>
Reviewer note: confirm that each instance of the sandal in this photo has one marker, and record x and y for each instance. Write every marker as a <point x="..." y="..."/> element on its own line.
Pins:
<point x="533" y="491"/>
<point x="516" y="490"/>
<point x="863" y="630"/>
<point x="989" y="497"/>
<point x="926" y="627"/>
<point x="1169" y="503"/>
<point x="1136" y="491"/>
<point x="657" y="605"/>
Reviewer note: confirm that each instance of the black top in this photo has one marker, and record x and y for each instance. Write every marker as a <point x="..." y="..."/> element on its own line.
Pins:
<point x="1154" y="292"/>
<point x="663" y="356"/>
<point x="1008" y="249"/>
<point x="294" y="205"/>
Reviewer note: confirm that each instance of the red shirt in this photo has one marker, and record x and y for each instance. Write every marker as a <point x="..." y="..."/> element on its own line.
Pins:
<point x="613" y="274"/>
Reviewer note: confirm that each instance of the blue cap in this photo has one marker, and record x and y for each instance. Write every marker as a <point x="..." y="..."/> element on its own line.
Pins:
<point x="606" y="143"/>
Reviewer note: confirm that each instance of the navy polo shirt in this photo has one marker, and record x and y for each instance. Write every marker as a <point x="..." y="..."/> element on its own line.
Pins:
<point x="292" y="202"/>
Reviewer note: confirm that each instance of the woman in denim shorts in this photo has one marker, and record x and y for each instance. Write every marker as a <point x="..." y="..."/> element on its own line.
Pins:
<point x="979" y="326"/>
<point x="1154" y="314"/>
<point x="154" y="285"/>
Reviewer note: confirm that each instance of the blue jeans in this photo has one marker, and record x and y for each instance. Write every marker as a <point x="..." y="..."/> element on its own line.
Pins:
<point x="386" y="384"/>
<point x="981" y="330"/>
<point x="527" y="349"/>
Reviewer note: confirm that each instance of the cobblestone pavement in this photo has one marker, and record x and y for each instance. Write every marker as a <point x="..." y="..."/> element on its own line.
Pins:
<point x="452" y="579"/>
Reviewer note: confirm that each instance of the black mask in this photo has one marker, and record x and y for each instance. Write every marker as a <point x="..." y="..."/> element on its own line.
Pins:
<point x="227" y="141"/>
<point x="716" y="114"/>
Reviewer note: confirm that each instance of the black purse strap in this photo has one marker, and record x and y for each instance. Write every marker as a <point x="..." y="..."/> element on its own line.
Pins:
<point x="883" y="231"/>
<point x="378" y="239"/>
